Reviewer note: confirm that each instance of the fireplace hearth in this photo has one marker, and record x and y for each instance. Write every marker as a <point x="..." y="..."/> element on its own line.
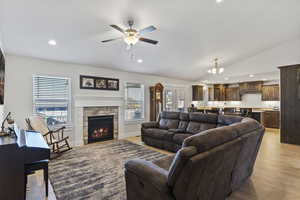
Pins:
<point x="100" y="128"/>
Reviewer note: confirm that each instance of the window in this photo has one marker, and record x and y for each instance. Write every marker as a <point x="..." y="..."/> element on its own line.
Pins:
<point x="51" y="99"/>
<point x="134" y="101"/>
<point x="174" y="99"/>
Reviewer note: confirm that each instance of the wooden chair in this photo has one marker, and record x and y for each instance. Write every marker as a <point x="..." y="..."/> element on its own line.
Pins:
<point x="55" y="138"/>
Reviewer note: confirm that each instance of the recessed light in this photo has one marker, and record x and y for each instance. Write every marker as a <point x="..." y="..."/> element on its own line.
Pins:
<point x="219" y="1"/>
<point x="251" y="75"/>
<point x="226" y="78"/>
<point x="139" y="60"/>
<point x="52" y="42"/>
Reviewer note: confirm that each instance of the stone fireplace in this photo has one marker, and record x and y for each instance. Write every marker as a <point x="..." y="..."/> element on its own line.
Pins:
<point x="100" y="123"/>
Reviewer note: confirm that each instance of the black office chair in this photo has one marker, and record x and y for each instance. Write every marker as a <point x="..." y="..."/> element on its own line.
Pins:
<point x="39" y="165"/>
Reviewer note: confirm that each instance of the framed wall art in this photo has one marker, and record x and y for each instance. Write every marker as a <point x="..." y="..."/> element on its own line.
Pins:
<point x="98" y="83"/>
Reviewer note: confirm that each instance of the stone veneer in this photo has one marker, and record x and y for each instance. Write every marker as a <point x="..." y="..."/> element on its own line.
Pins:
<point x="99" y="111"/>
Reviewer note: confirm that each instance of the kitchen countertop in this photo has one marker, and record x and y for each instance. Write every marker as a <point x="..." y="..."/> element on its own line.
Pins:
<point x="253" y="109"/>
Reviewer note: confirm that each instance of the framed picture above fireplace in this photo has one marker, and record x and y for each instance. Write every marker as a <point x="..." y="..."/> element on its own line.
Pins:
<point x="98" y="83"/>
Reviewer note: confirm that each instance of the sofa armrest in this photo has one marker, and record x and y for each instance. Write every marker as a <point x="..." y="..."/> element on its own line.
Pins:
<point x="150" y="125"/>
<point x="145" y="180"/>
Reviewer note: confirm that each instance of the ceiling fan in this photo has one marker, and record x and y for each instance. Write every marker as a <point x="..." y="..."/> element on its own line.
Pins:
<point x="131" y="36"/>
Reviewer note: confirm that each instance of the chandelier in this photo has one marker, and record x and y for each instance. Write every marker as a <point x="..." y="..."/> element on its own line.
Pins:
<point x="216" y="69"/>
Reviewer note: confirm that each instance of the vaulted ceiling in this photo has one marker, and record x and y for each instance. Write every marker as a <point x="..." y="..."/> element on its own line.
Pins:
<point x="190" y="33"/>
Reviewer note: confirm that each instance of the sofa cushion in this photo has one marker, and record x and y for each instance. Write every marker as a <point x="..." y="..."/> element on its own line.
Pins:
<point x="197" y="127"/>
<point x="211" y="138"/>
<point x="178" y="163"/>
<point x="184" y="116"/>
<point x="168" y="123"/>
<point x="225" y="120"/>
<point x="247" y="125"/>
<point x="200" y="122"/>
<point x="203" y="117"/>
<point x="169" y="136"/>
<point x="179" y="137"/>
<point x="184" y="121"/>
<point x="169" y="120"/>
<point x="164" y="162"/>
<point x="169" y="115"/>
<point x="155" y="133"/>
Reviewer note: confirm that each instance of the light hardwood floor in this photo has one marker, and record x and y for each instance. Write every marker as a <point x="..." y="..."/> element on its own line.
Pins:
<point x="276" y="175"/>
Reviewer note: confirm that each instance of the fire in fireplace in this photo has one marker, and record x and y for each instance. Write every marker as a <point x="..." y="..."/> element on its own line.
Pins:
<point x="100" y="128"/>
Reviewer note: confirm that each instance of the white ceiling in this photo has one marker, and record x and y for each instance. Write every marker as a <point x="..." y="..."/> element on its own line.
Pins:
<point x="190" y="33"/>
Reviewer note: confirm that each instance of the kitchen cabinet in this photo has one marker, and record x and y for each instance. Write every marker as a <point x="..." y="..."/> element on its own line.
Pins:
<point x="211" y="94"/>
<point x="270" y="93"/>
<point x="232" y="94"/>
<point x="197" y="92"/>
<point x="271" y="119"/>
<point x="251" y="87"/>
<point x="219" y="92"/>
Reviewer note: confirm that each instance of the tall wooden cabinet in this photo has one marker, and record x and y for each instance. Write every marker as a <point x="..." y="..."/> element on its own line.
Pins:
<point x="290" y="104"/>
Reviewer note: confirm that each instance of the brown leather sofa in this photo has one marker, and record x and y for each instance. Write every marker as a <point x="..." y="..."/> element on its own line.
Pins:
<point x="210" y="165"/>
<point x="172" y="128"/>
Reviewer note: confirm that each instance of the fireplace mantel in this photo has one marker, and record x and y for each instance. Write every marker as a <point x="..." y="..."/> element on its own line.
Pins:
<point x="93" y="101"/>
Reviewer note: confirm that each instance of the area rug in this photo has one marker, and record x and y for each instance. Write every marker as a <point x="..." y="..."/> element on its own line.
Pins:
<point x="95" y="172"/>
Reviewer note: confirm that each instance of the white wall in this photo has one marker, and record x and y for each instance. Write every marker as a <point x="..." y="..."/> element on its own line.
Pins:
<point x="263" y="64"/>
<point x="18" y="86"/>
<point x="286" y="53"/>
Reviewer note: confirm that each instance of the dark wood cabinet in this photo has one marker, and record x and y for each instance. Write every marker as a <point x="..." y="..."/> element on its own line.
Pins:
<point x="271" y="119"/>
<point x="232" y="94"/>
<point x="219" y="92"/>
<point x="270" y="93"/>
<point x="290" y="104"/>
<point x="251" y="87"/>
<point x="197" y="92"/>
<point x="211" y="94"/>
<point x="222" y="92"/>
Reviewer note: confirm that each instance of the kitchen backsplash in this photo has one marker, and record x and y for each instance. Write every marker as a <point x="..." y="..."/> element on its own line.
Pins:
<point x="248" y="100"/>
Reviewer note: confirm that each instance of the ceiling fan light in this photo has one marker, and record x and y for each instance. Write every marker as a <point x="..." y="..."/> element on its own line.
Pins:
<point x="131" y="40"/>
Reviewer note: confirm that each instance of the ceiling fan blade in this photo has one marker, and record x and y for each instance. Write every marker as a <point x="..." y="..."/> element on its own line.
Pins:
<point x="147" y="29"/>
<point x="148" y="40"/>
<point x="117" y="28"/>
<point x="112" y="39"/>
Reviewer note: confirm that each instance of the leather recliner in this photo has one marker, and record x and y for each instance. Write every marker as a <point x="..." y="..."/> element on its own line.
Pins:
<point x="209" y="165"/>
<point x="172" y="128"/>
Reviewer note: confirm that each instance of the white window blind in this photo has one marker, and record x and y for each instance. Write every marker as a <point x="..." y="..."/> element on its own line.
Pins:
<point x="51" y="99"/>
<point x="134" y="101"/>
